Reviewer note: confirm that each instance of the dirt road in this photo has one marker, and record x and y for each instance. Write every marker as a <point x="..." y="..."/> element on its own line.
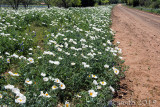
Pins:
<point x="139" y="34"/>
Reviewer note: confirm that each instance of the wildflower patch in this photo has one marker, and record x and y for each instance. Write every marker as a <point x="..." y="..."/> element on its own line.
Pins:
<point x="72" y="62"/>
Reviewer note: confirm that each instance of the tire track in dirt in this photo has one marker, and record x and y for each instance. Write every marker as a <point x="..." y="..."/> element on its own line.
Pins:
<point x="139" y="34"/>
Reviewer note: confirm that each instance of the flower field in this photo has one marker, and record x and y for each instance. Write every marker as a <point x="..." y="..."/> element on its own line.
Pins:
<point x="58" y="57"/>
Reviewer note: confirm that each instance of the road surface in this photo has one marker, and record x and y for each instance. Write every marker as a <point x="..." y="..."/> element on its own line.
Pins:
<point x="139" y="36"/>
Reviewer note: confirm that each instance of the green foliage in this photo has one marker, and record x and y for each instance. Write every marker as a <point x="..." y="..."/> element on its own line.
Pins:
<point x="145" y="3"/>
<point x="104" y="1"/>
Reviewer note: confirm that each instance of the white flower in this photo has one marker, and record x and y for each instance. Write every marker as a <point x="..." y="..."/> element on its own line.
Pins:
<point x="103" y="83"/>
<point x="28" y="81"/>
<point x="100" y="53"/>
<point x="48" y="53"/>
<point x="106" y="66"/>
<point x="47" y="95"/>
<point x="57" y="80"/>
<point x="114" y="54"/>
<point x="92" y="93"/>
<point x="19" y="94"/>
<point x="78" y="96"/>
<point x="7" y="53"/>
<point x="60" y="58"/>
<point x="99" y="87"/>
<point x="120" y="57"/>
<point x="118" y="42"/>
<point x="50" y="77"/>
<point x="8" y="60"/>
<point x="1" y="96"/>
<point x="41" y="93"/>
<point x="9" y="86"/>
<point x="14" y="55"/>
<point x="65" y="39"/>
<point x="43" y="74"/>
<point x="13" y="74"/>
<point x="109" y="42"/>
<point x="86" y="66"/>
<point x="95" y="82"/>
<point x="83" y="63"/>
<point x="31" y="60"/>
<point x="20" y="100"/>
<point x="62" y="86"/>
<point x="1" y="57"/>
<point x="73" y="63"/>
<point x="30" y="53"/>
<point x="16" y="91"/>
<point x="94" y="76"/>
<point x="59" y="49"/>
<point x="30" y="49"/>
<point x="39" y="57"/>
<point x="104" y="44"/>
<point x="54" y="87"/>
<point x="44" y="95"/>
<point x="54" y="62"/>
<point x="45" y="79"/>
<point x="22" y="57"/>
<point x="119" y="51"/>
<point x="67" y="104"/>
<point x="116" y="71"/>
<point x="112" y="89"/>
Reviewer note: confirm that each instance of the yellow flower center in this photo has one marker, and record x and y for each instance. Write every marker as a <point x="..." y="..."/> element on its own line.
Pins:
<point x="91" y="94"/>
<point x="20" y="100"/>
<point x="89" y="76"/>
<point x="61" y="85"/>
<point x="27" y="81"/>
<point x="30" y="60"/>
<point x="57" y="80"/>
<point x="46" y="94"/>
<point x="15" y="73"/>
<point x="93" y="75"/>
<point x="54" y="87"/>
<point x="103" y="82"/>
<point x="116" y="71"/>
<point x="67" y="105"/>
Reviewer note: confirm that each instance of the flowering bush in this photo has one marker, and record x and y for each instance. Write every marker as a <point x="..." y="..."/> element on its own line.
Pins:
<point x="76" y="64"/>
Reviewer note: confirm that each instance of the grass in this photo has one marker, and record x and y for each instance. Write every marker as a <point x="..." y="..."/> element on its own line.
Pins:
<point x="40" y="32"/>
<point x="150" y="10"/>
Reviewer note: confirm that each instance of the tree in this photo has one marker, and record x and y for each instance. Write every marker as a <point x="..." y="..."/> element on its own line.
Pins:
<point x="48" y="2"/>
<point x="113" y="1"/>
<point x="26" y="2"/>
<point x="104" y="1"/>
<point x="66" y="3"/>
<point x="101" y="2"/>
<point x="14" y="3"/>
<point x="86" y="3"/>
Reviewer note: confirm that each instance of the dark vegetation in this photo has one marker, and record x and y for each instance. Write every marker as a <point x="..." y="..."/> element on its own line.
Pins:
<point x="145" y="3"/>
<point x="60" y="3"/>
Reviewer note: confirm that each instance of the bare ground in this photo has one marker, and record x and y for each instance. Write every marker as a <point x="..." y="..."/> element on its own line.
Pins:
<point x="139" y="34"/>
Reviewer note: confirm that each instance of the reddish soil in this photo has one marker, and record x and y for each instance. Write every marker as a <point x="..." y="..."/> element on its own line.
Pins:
<point x="139" y="36"/>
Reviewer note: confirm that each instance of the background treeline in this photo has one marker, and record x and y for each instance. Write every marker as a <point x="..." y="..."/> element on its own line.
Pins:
<point x="145" y="3"/>
<point x="60" y="3"/>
